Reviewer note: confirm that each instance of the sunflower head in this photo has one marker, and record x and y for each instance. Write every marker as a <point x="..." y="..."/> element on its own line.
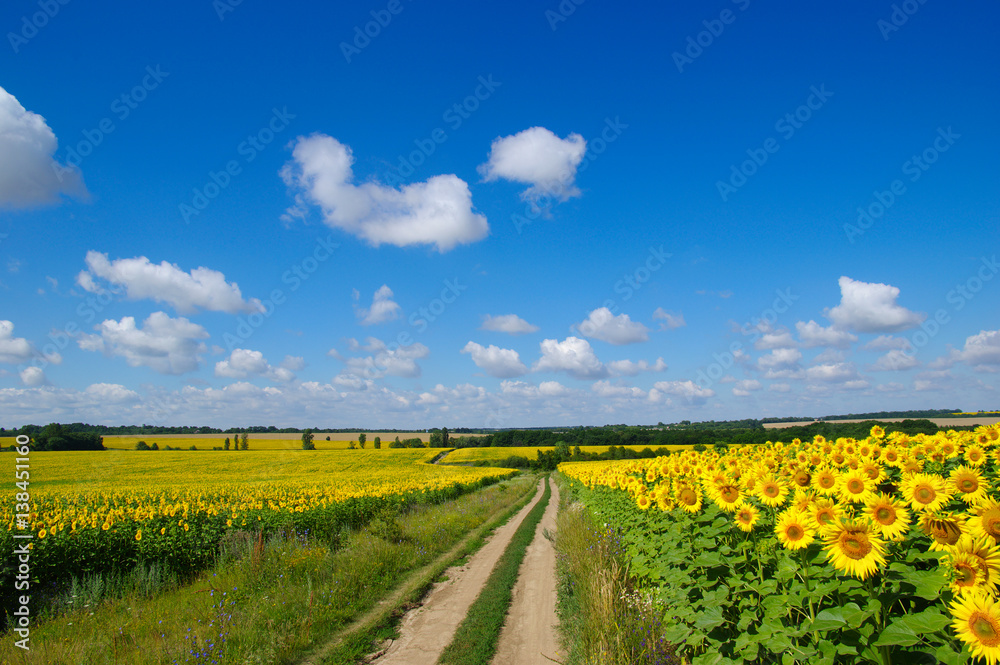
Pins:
<point x="888" y="515"/>
<point x="794" y="530"/>
<point x="944" y="530"/>
<point x="746" y="517"/>
<point x="977" y="623"/>
<point x="855" y="548"/>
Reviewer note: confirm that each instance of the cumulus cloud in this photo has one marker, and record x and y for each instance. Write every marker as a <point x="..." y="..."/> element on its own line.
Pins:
<point x="832" y="372"/>
<point x="511" y="324"/>
<point x="895" y="360"/>
<point x="573" y="356"/>
<point x="812" y="334"/>
<point x="779" y="388"/>
<point x="13" y="350"/>
<point x="293" y="363"/>
<point x="630" y="368"/>
<point x="887" y="342"/>
<point x="982" y="349"/>
<point x="618" y="330"/>
<point x="746" y="386"/>
<point x="686" y="389"/>
<point x="166" y="345"/>
<point x="244" y="363"/>
<point x="385" y="361"/>
<point x="383" y="308"/>
<point x="776" y="339"/>
<point x="33" y="376"/>
<point x="187" y="292"/>
<point x="780" y="359"/>
<point x="435" y="212"/>
<point x="501" y="363"/>
<point x="670" y="320"/>
<point x="114" y="393"/>
<point x="544" y="390"/>
<point x="871" y="308"/>
<point x="29" y="174"/>
<point x="608" y="390"/>
<point x="539" y="158"/>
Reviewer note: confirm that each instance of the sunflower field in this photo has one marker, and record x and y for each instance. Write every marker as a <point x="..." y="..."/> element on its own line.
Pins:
<point x="882" y="550"/>
<point x="102" y="512"/>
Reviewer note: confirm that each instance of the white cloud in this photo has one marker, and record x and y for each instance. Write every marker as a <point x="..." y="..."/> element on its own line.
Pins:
<point x="244" y="363"/>
<point x="33" y="376"/>
<point x="544" y="390"/>
<point x="630" y="368"/>
<point x="832" y="373"/>
<point x="112" y="392"/>
<point x="830" y="355"/>
<point x="383" y="308"/>
<point x="435" y="212"/>
<point x="508" y="323"/>
<point x="746" y="386"/>
<point x="895" y="361"/>
<point x="539" y="158"/>
<point x="618" y="330"/>
<point x="29" y="175"/>
<point x="891" y="387"/>
<point x="812" y="334"/>
<point x="670" y="319"/>
<point x="501" y="363"/>
<point x="385" y="361"/>
<point x="779" y="388"/>
<point x="871" y="308"/>
<point x="13" y="350"/>
<point x="166" y="345"/>
<point x="202" y="288"/>
<point x="293" y="363"/>
<point x="572" y="355"/>
<point x="686" y="389"/>
<point x="887" y="342"/>
<point x="982" y="349"/>
<point x="776" y="339"/>
<point x="780" y="359"/>
<point x="608" y="390"/>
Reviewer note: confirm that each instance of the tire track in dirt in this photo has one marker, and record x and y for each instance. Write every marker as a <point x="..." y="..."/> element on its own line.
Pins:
<point x="427" y="630"/>
<point x="529" y="635"/>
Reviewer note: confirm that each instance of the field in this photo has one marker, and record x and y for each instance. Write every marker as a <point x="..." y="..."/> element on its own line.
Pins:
<point x="881" y="551"/>
<point x="265" y="441"/>
<point x="966" y="421"/>
<point x="472" y="455"/>
<point x="95" y="513"/>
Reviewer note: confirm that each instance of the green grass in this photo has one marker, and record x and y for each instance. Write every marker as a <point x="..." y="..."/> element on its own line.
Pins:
<point x="603" y="617"/>
<point x="475" y="641"/>
<point x="270" y="602"/>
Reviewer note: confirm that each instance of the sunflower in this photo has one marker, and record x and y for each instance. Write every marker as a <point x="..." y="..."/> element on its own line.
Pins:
<point x="728" y="497"/>
<point x="138" y="534"/>
<point x="968" y="484"/>
<point x="801" y="478"/>
<point x="987" y="557"/>
<point x="890" y="455"/>
<point x="771" y="491"/>
<point x="825" y="512"/>
<point x="688" y="498"/>
<point x="854" y="548"/>
<point x="977" y="623"/>
<point x="803" y="500"/>
<point x="967" y="576"/>
<point x="643" y="501"/>
<point x="793" y="530"/>
<point x="889" y="515"/>
<point x="825" y="481"/>
<point x="975" y="455"/>
<point x="746" y="516"/>
<point x="874" y="471"/>
<point x="42" y="534"/>
<point x="944" y="530"/>
<point x="163" y="530"/>
<point x="986" y="520"/>
<point x="876" y="432"/>
<point x="925" y="491"/>
<point x="855" y="487"/>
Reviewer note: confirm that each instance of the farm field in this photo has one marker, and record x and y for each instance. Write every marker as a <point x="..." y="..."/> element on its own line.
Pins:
<point x="944" y="423"/>
<point x="881" y="551"/>
<point x="492" y="454"/>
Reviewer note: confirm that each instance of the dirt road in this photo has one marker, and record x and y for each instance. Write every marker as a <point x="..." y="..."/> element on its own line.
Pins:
<point x="529" y="635"/>
<point x="427" y="630"/>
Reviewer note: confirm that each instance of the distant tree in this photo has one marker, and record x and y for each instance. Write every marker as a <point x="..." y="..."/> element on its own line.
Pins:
<point x="244" y="441"/>
<point x="307" y="440"/>
<point x="327" y="438"/>
<point x="225" y="445"/>
<point x="377" y="443"/>
<point x="154" y="446"/>
<point x="444" y="437"/>
<point x="397" y="442"/>
<point x="193" y="448"/>
<point x="141" y="445"/>
<point x="351" y="445"/>
<point x="361" y="440"/>
<point x="435" y="440"/>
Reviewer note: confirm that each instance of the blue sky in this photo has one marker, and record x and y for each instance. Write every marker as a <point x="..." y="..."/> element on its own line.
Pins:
<point x="495" y="215"/>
